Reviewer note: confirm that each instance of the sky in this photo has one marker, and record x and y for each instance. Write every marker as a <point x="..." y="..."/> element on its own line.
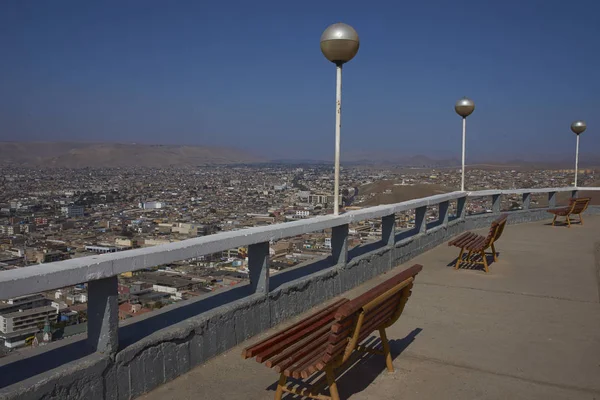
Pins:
<point x="251" y="75"/>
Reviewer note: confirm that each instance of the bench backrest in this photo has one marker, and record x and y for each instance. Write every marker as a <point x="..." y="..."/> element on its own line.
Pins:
<point x="496" y="230"/>
<point x="498" y="227"/>
<point x="378" y="308"/>
<point x="579" y="205"/>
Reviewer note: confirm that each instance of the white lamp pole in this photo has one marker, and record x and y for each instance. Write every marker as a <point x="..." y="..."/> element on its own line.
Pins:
<point x="339" y="44"/>
<point x="577" y="127"/>
<point x="464" y="107"/>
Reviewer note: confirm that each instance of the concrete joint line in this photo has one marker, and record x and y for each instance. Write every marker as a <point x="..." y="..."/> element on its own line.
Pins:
<point x="540" y="296"/>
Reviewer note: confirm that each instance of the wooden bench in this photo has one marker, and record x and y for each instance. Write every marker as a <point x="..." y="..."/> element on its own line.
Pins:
<point x="326" y="340"/>
<point x="576" y="207"/>
<point x="474" y="243"/>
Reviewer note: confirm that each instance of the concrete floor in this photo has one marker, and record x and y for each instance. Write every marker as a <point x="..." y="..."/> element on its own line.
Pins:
<point x="528" y="330"/>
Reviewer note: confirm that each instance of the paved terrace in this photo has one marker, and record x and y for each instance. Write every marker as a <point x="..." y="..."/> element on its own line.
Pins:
<point x="528" y="330"/>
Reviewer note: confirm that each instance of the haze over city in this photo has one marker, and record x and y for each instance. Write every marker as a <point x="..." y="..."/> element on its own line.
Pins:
<point x="251" y="75"/>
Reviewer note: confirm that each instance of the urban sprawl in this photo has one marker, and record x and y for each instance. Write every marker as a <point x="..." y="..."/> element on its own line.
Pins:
<point x="54" y="214"/>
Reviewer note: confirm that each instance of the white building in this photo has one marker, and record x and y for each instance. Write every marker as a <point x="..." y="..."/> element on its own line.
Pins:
<point x="302" y="213"/>
<point x="151" y="205"/>
<point x="20" y="318"/>
<point x="73" y="211"/>
<point x="102" y="249"/>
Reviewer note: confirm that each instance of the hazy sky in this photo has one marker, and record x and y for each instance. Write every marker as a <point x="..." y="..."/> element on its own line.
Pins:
<point x="250" y="74"/>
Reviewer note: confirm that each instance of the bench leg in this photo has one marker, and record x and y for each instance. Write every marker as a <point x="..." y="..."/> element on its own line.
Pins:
<point x="580" y="219"/>
<point x="386" y="350"/>
<point x="494" y="251"/>
<point x="569" y="221"/>
<point x="459" y="259"/>
<point x="554" y="220"/>
<point x="333" y="390"/>
<point x="280" y="386"/>
<point x="485" y="264"/>
<point x="469" y="255"/>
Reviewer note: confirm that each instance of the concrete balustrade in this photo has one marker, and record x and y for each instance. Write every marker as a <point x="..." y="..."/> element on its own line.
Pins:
<point x="124" y="362"/>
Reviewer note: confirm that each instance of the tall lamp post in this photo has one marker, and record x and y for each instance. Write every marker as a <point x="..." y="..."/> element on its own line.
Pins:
<point x="339" y="44"/>
<point x="464" y="107"/>
<point x="577" y="127"/>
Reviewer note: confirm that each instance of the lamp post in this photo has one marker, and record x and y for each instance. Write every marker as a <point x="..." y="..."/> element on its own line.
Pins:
<point x="464" y="107"/>
<point x="577" y="127"/>
<point x="339" y="44"/>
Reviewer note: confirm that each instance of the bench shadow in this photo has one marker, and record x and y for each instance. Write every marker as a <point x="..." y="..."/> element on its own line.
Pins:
<point x="471" y="264"/>
<point x="561" y="224"/>
<point x="362" y="370"/>
<point x="33" y="365"/>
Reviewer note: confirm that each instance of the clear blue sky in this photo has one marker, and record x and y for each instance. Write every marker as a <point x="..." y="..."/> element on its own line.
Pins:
<point x="250" y="74"/>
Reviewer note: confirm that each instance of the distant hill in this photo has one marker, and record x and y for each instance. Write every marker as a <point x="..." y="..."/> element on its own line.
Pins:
<point x="375" y="192"/>
<point x="81" y="155"/>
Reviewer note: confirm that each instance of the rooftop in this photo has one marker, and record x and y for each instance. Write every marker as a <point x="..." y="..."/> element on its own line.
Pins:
<point x="527" y="330"/>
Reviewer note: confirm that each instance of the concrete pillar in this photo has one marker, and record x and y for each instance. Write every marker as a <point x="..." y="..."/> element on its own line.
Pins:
<point x="388" y="230"/>
<point x="443" y="211"/>
<point x="551" y="199"/>
<point x="258" y="264"/>
<point x="103" y="315"/>
<point x="461" y="207"/>
<point x="420" y="220"/>
<point x="496" y="204"/>
<point x="526" y="201"/>
<point x="339" y="245"/>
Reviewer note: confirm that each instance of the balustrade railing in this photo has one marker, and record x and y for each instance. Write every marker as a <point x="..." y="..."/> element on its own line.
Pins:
<point x="101" y="272"/>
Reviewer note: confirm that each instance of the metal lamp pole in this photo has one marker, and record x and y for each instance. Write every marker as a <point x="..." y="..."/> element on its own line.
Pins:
<point x="577" y="127"/>
<point x="339" y="44"/>
<point x="464" y="107"/>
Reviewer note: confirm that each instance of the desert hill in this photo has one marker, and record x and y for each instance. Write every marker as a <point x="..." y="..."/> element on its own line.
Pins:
<point x="80" y="155"/>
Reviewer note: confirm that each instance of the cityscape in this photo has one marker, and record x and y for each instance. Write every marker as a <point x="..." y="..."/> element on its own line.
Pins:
<point x="186" y="189"/>
<point x="50" y="215"/>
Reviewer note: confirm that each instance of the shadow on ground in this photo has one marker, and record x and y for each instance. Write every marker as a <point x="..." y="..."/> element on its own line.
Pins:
<point x="360" y="372"/>
<point x="473" y="261"/>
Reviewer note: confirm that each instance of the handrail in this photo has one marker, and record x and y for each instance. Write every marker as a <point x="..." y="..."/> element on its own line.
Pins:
<point x="101" y="271"/>
<point x="71" y="272"/>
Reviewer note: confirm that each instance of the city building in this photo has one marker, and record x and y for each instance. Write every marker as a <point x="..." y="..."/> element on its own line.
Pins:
<point x="21" y="318"/>
<point x="73" y="211"/>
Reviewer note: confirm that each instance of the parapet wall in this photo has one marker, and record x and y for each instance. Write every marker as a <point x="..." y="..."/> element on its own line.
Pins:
<point x="156" y="349"/>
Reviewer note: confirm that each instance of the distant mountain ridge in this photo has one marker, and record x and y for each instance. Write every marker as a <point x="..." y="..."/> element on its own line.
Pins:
<point x="81" y="155"/>
<point x="103" y="155"/>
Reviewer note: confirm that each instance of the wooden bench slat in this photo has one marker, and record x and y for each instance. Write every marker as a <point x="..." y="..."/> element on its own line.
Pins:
<point x="270" y="351"/>
<point x="461" y="239"/>
<point x="297" y="327"/>
<point x="348" y="324"/>
<point x="323" y="341"/>
<point x="352" y="306"/>
<point x="281" y="359"/>
<point x="305" y="362"/>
